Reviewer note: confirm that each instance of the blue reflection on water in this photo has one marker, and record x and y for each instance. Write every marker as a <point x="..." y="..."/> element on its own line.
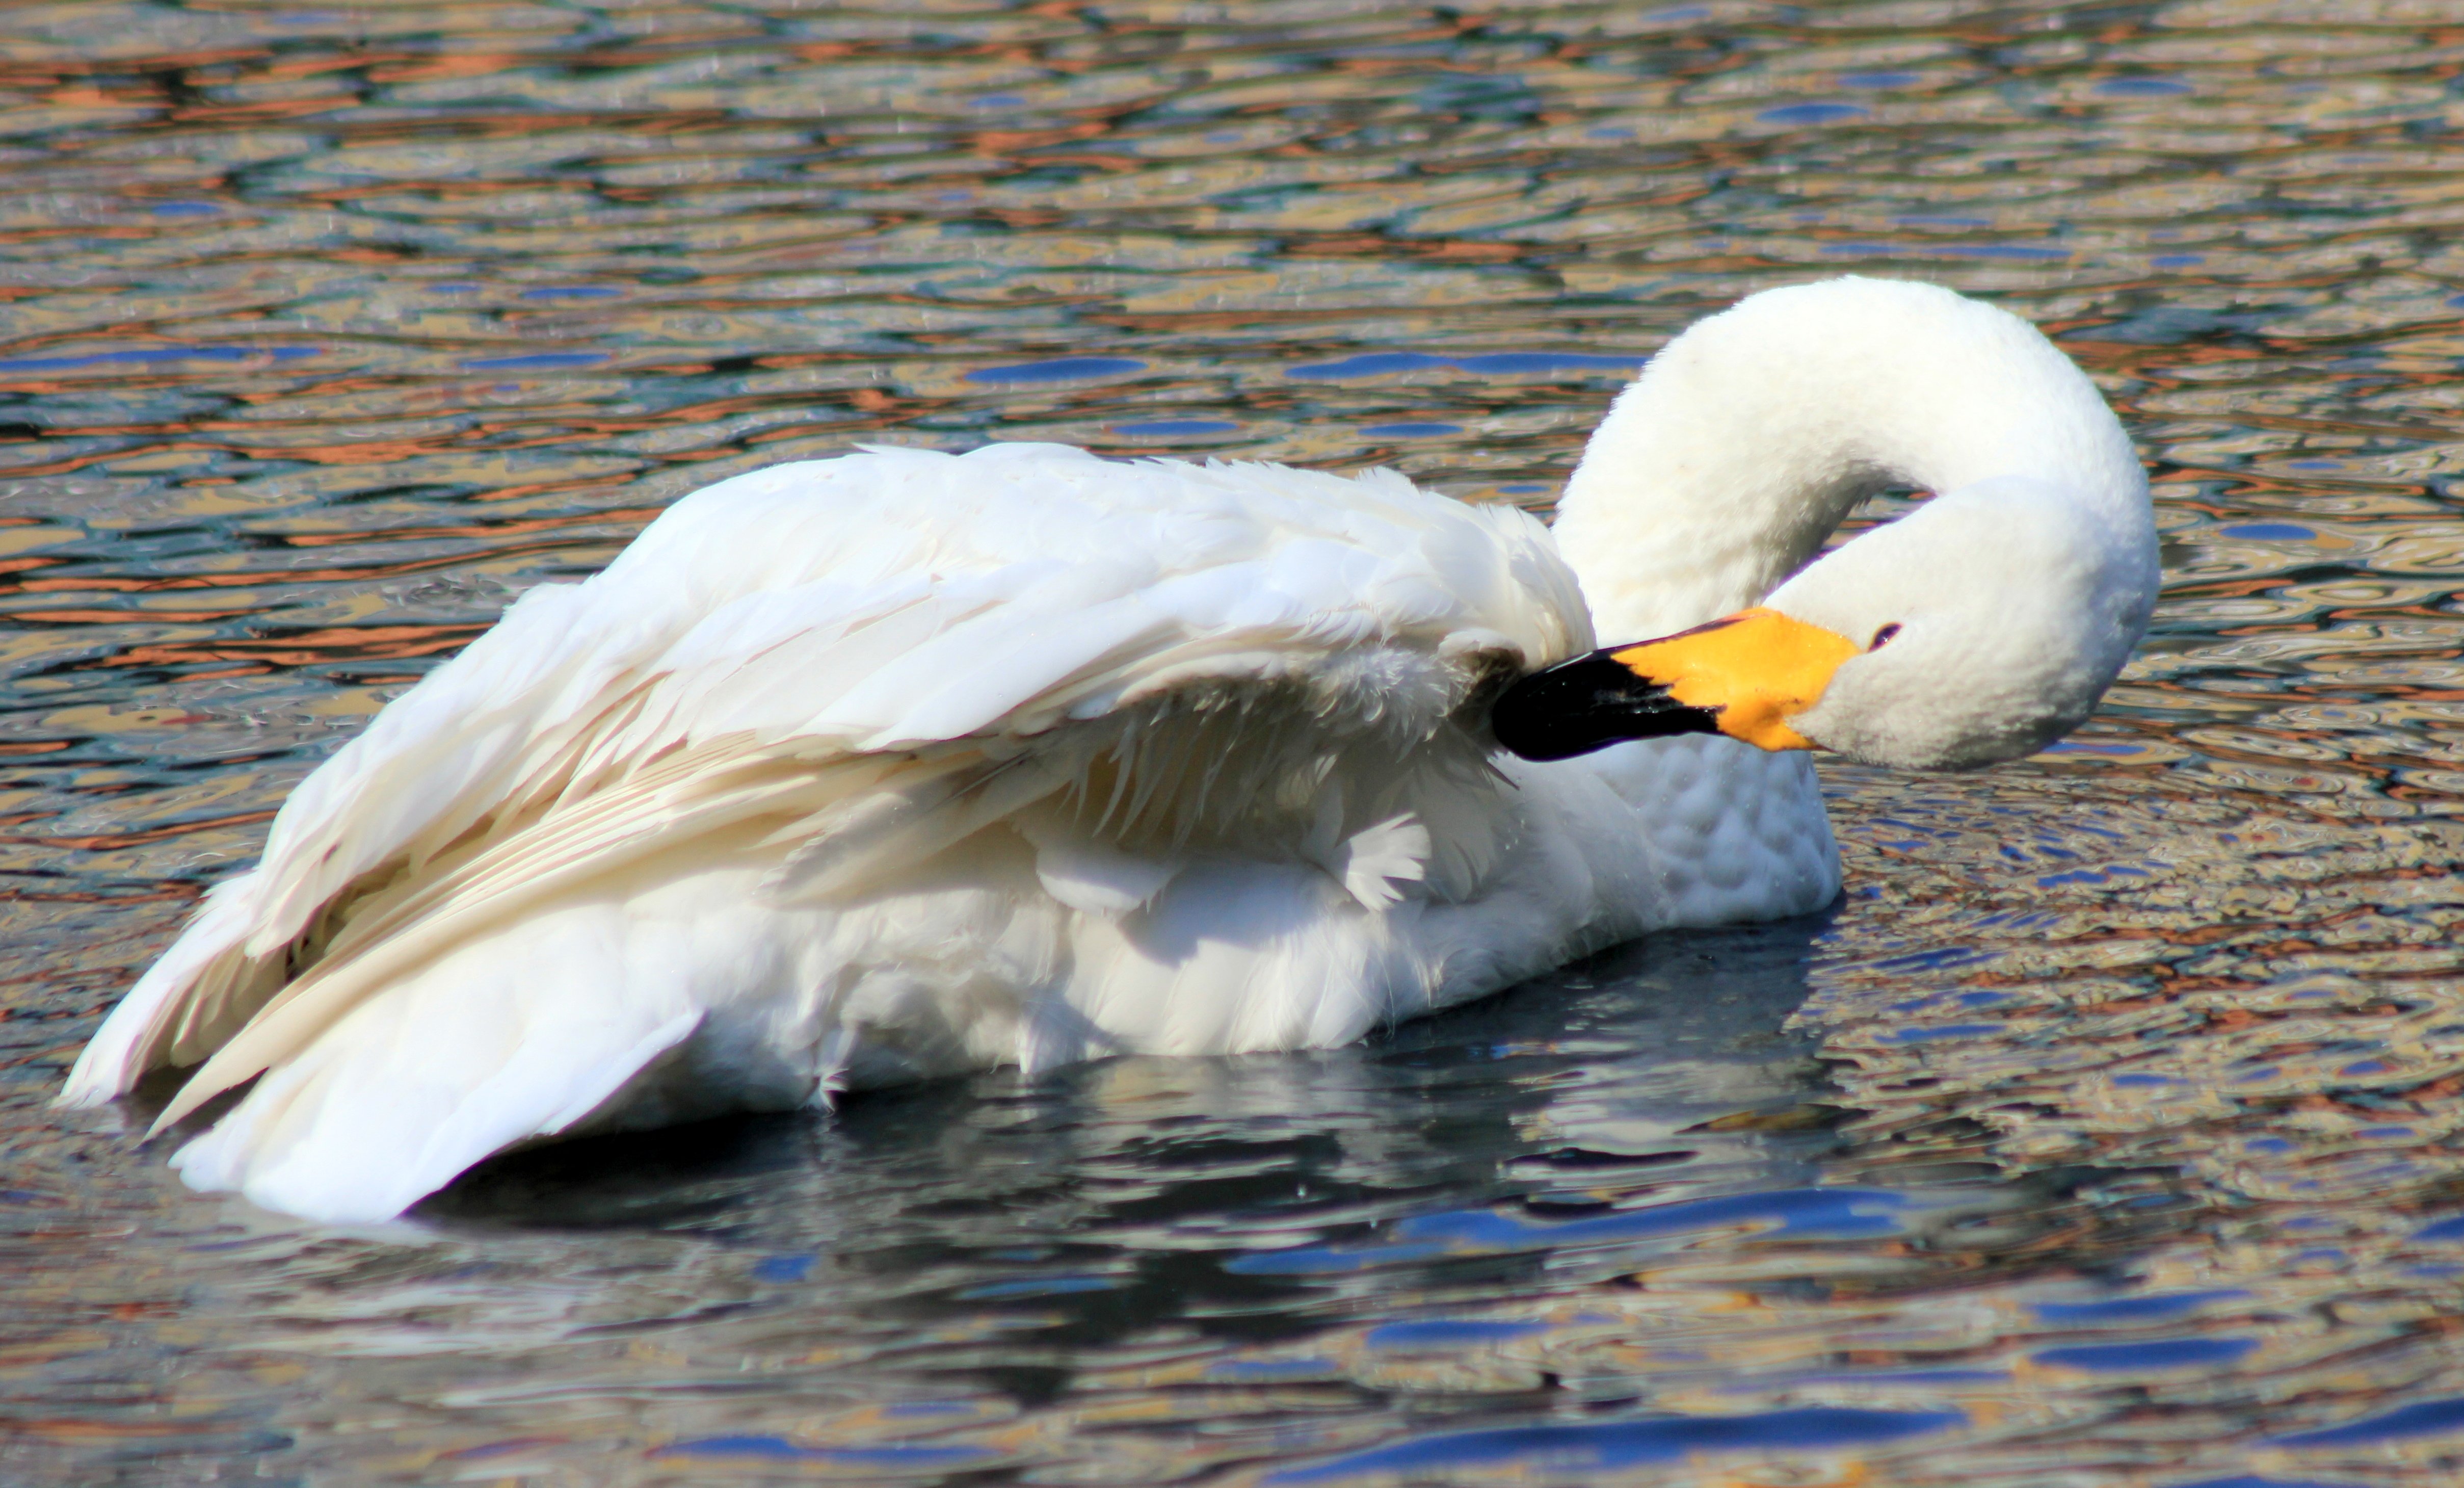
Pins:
<point x="1614" y="1444"/>
<point x="1813" y="113"/>
<point x="1925" y="1035"/>
<point x="783" y="1268"/>
<point x="2162" y="1353"/>
<point x="1037" y="1286"/>
<point x="1841" y="1211"/>
<point x="1268" y="1371"/>
<point x="1057" y="369"/>
<point x="1445" y="1332"/>
<point x="1929" y="960"/>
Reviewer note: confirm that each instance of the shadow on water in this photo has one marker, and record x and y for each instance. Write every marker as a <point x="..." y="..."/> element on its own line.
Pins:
<point x="1445" y="1093"/>
<point x="1652" y="1108"/>
<point x="1123" y="1194"/>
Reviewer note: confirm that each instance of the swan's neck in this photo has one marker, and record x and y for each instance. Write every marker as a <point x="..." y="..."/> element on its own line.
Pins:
<point x="1722" y="468"/>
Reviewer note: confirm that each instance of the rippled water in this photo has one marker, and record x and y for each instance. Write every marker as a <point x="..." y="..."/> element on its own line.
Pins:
<point x="2106" y="1133"/>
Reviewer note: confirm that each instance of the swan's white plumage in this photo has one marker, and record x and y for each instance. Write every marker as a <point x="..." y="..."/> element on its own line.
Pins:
<point x="856" y="770"/>
<point x="1209" y="735"/>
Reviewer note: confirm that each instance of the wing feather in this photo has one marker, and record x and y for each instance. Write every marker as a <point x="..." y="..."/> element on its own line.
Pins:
<point x="920" y="643"/>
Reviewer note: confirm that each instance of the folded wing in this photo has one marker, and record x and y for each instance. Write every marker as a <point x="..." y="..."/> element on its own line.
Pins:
<point x="850" y="664"/>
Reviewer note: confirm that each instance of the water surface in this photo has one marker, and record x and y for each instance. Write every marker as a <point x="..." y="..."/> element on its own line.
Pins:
<point x="2105" y="1133"/>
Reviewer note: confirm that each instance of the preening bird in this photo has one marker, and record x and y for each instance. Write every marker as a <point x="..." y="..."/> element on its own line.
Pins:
<point x="870" y="770"/>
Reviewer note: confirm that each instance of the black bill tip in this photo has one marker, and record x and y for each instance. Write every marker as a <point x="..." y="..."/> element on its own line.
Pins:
<point x="1589" y="703"/>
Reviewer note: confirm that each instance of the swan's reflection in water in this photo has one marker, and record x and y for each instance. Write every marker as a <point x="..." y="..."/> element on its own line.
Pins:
<point x="1167" y="1241"/>
<point x="1591" y="1087"/>
<point x="1524" y="1233"/>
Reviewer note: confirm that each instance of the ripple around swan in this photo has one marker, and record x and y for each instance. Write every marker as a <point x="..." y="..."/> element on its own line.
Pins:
<point x="2104" y="1133"/>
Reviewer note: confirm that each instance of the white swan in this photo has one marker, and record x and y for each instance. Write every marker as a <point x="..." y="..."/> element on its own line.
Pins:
<point x="866" y="769"/>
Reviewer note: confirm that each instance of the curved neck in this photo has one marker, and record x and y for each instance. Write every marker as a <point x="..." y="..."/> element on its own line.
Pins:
<point x="1721" y="469"/>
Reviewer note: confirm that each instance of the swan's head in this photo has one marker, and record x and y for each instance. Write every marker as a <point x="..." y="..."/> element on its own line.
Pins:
<point x="1981" y="627"/>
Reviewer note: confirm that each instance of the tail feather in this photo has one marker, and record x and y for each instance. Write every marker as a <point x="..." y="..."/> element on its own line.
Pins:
<point x="196" y="996"/>
<point x="691" y="796"/>
<point x="484" y="1052"/>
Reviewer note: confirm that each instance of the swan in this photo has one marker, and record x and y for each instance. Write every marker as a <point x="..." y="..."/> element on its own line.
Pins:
<point x="873" y="768"/>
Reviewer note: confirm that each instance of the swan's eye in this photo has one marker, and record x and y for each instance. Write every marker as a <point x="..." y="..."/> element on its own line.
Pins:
<point x="1883" y="636"/>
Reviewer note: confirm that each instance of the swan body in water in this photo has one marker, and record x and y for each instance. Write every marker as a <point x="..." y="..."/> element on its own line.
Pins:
<point x="861" y="771"/>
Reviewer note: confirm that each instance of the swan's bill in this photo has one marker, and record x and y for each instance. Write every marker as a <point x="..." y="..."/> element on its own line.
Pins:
<point x="1745" y="676"/>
